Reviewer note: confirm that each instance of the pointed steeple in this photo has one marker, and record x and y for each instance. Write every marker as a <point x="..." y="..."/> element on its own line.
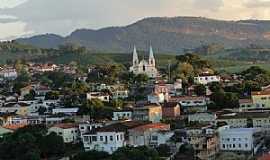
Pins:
<point x="151" y="57"/>
<point x="151" y="53"/>
<point x="135" y="56"/>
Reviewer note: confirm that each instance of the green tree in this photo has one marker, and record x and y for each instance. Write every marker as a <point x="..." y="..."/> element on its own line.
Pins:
<point x="231" y="156"/>
<point x="53" y="95"/>
<point x="117" y="103"/>
<point x="141" y="79"/>
<point x="51" y="145"/>
<point x="215" y="86"/>
<point x="163" y="150"/>
<point x="200" y="90"/>
<point x="95" y="155"/>
<point x="30" y="96"/>
<point x="135" y="153"/>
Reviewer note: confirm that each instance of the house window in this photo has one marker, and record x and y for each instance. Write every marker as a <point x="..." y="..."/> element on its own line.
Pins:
<point x="101" y="138"/>
<point x="86" y="138"/>
<point x="154" y="138"/>
<point x="246" y="145"/>
<point x="239" y="146"/>
<point x="111" y="138"/>
<point x="233" y="145"/>
<point x="117" y="137"/>
<point x="223" y="146"/>
<point x="94" y="138"/>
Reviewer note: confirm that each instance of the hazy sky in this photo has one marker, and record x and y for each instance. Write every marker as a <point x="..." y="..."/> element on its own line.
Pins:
<point x="29" y="17"/>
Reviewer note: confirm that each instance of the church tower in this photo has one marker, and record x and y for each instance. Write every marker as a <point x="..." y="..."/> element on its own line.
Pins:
<point x="151" y="60"/>
<point x="135" y="57"/>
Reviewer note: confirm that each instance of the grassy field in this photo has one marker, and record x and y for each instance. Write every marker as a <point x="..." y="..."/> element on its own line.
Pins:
<point x="163" y="60"/>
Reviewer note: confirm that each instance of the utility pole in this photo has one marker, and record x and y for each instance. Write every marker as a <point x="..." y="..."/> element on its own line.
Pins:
<point x="169" y="68"/>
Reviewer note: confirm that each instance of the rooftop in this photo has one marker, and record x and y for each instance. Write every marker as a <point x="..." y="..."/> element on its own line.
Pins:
<point x="265" y="92"/>
<point x="239" y="130"/>
<point x="14" y="126"/>
<point x="242" y="115"/>
<point x="170" y="104"/>
<point x="120" y="127"/>
<point x="160" y="126"/>
<point x="186" y="98"/>
<point x="66" y="125"/>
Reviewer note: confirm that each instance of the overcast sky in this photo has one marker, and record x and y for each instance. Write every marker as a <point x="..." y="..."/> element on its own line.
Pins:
<point x="29" y="17"/>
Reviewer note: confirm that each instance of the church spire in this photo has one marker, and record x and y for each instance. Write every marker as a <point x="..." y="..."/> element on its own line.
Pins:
<point x="151" y="53"/>
<point x="135" y="56"/>
<point x="151" y="56"/>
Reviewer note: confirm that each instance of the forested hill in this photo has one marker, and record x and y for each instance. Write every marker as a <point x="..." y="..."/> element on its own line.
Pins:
<point x="165" y="34"/>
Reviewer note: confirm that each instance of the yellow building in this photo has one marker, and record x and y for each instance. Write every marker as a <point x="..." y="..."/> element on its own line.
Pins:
<point x="148" y="112"/>
<point x="261" y="99"/>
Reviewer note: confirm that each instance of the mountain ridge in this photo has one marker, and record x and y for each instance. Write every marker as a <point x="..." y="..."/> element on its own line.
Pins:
<point x="166" y="34"/>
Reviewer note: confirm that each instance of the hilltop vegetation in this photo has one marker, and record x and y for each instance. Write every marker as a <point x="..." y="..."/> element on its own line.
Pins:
<point x="232" y="60"/>
<point x="167" y="35"/>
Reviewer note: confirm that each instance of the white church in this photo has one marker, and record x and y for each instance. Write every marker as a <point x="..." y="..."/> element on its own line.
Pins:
<point x="143" y="66"/>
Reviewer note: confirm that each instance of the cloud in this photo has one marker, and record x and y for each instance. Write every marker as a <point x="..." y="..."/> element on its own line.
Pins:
<point x="10" y="3"/>
<point x="212" y="5"/>
<point x="257" y="3"/>
<point x="64" y="16"/>
<point x="12" y="30"/>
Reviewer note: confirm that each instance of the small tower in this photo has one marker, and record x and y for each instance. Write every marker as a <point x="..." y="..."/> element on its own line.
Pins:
<point x="135" y="57"/>
<point x="152" y="61"/>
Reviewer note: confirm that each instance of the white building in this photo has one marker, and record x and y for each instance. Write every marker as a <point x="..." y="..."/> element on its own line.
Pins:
<point x="98" y="95"/>
<point x="87" y="127"/>
<point x="160" y="137"/>
<point x="240" y="139"/>
<point x="70" y="111"/>
<point x="9" y="73"/>
<point x="122" y="115"/>
<point x="191" y="104"/>
<point x="132" y="133"/>
<point x="107" y="139"/>
<point x="206" y="79"/>
<point x="203" y="117"/>
<point x="152" y="134"/>
<point x="143" y="66"/>
<point x="68" y="131"/>
<point x="156" y="98"/>
<point x="120" y="94"/>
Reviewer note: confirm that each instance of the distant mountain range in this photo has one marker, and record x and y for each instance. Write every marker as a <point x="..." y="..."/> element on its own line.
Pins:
<point x="167" y="35"/>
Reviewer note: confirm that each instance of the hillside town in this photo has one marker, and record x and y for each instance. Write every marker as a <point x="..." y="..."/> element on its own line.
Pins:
<point x="188" y="111"/>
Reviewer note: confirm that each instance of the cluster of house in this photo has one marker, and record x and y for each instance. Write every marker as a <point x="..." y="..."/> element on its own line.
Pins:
<point x="142" y="123"/>
<point x="10" y="73"/>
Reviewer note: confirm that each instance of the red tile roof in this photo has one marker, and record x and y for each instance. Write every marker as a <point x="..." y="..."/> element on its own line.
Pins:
<point x="266" y="92"/>
<point x="66" y="125"/>
<point x="264" y="157"/>
<point x="160" y="126"/>
<point x="14" y="126"/>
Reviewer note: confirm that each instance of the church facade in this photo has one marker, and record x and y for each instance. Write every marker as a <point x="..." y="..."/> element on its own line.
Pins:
<point x="144" y="66"/>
